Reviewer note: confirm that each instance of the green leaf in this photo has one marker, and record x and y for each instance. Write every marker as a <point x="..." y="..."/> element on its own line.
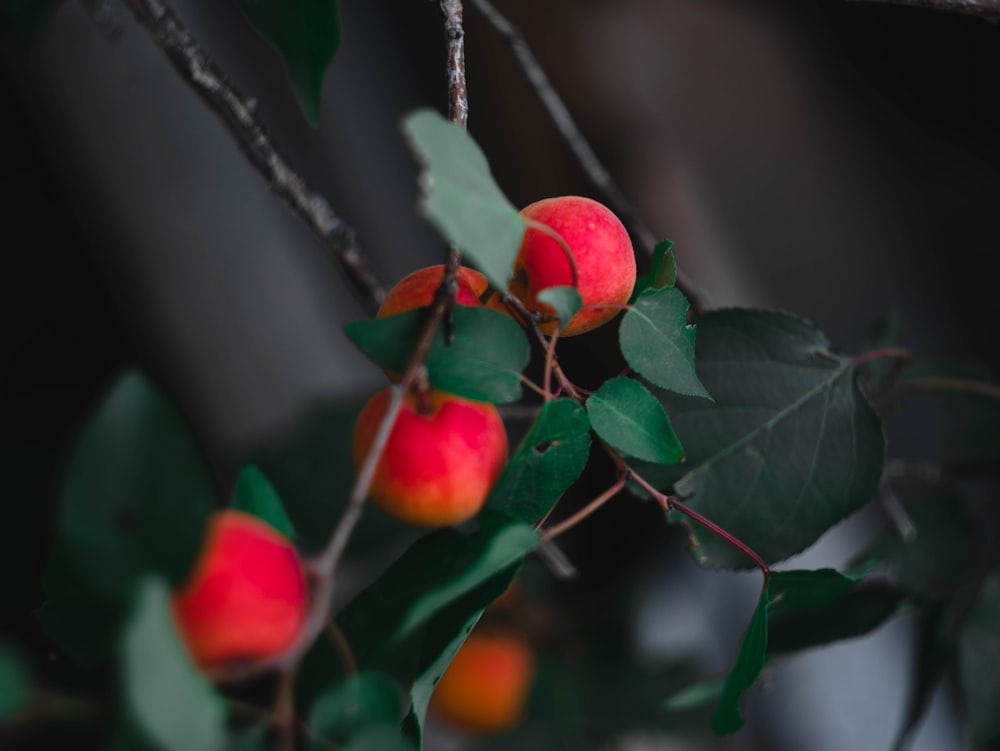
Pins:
<point x="658" y="343"/>
<point x="791" y="445"/>
<point x="166" y="696"/>
<point x="566" y="301"/>
<point x="978" y="657"/>
<point x="135" y="498"/>
<point x="380" y="738"/>
<point x="15" y="682"/>
<point x="695" y="695"/>
<point x="662" y="270"/>
<point x="484" y="361"/>
<point x="627" y="416"/>
<point x="434" y="572"/>
<point x="549" y="459"/>
<point x="461" y="198"/>
<point x="256" y="495"/>
<point x="946" y="543"/>
<point x="253" y="738"/>
<point x="861" y="609"/>
<point x="749" y="663"/>
<point x="800" y="591"/>
<point x="354" y="704"/>
<point x="307" y="34"/>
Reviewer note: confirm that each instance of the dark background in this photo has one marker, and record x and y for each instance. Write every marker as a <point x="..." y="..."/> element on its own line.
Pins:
<point x="835" y="159"/>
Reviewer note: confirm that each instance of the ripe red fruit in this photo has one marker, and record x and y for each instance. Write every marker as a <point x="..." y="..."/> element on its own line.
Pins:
<point x="417" y="290"/>
<point x="486" y="686"/>
<point x="601" y="249"/>
<point x="440" y="461"/>
<point x="246" y="597"/>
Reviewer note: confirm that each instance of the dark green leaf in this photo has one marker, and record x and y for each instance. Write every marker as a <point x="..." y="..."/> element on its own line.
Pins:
<point x="484" y="362"/>
<point x="256" y="495"/>
<point x="253" y="738"/>
<point x="566" y="301"/>
<point x="945" y="544"/>
<point x="627" y="416"/>
<point x="307" y="34"/>
<point x="550" y="458"/>
<point x="166" y="696"/>
<point x="658" y="342"/>
<point x="728" y="718"/>
<point x="858" y="611"/>
<point x="978" y="657"/>
<point x="662" y="270"/>
<point x="435" y="571"/>
<point x="461" y="198"/>
<point x="136" y="496"/>
<point x="354" y="704"/>
<point x="802" y="591"/>
<point x="15" y="682"/>
<point x="791" y="446"/>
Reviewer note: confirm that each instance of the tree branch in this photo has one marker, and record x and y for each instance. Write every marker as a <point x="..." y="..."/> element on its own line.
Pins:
<point x="211" y="84"/>
<point x="579" y="145"/>
<point x="988" y="9"/>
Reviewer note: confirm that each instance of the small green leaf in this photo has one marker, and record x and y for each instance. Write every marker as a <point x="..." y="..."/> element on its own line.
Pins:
<point x="565" y="301"/>
<point x="136" y="495"/>
<point x="166" y="696"/>
<point x="627" y="416"/>
<point x="728" y="718"/>
<point x="978" y="655"/>
<point x="307" y="34"/>
<point x="658" y="342"/>
<point x="662" y="270"/>
<point x="354" y="704"/>
<point x="434" y="572"/>
<point x="550" y="458"/>
<point x="695" y="695"/>
<point x="15" y="682"/>
<point x="791" y="445"/>
<point x="461" y="198"/>
<point x="256" y="495"/>
<point x="484" y="362"/>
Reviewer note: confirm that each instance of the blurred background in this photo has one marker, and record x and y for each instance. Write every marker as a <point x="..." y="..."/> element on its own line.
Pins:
<point x="835" y="159"/>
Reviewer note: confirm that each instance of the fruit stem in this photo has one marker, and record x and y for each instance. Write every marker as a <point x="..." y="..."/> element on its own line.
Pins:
<point x="532" y="322"/>
<point x="571" y="521"/>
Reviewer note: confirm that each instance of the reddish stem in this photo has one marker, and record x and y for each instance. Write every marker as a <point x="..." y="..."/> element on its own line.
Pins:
<point x="590" y="508"/>
<point x="899" y="353"/>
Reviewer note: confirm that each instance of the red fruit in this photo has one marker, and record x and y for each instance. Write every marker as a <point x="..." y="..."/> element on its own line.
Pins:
<point x="246" y="598"/>
<point x="601" y="249"/>
<point x="418" y="289"/>
<point x="486" y="686"/>
<point x="440" y="461"/>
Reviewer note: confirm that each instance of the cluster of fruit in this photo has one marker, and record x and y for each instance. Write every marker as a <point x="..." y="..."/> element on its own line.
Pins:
<point x="248" y="598"/>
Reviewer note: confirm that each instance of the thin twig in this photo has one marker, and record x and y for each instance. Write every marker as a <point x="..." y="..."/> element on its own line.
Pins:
<point x="581" y="148"/>
<point x="988" y="9"/>
<point x="899" y="353"/>
<point x="571" y="521"/>
<point x="237" y="112"/>
<point x="957" y="385"/>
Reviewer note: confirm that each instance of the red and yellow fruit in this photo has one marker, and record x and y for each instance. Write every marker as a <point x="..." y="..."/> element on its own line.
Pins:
<point x="600" y="247"/>
<point x="417" y="290"/>
<point x="443" y="455"/>
<point x="486" y="686"/>
<point x="246" y="598"/>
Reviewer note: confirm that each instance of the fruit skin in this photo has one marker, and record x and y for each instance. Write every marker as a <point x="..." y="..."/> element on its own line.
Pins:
<point x="440" y="463"/>
<point x="417" y="290"/>
<point x="600" y="245"/>
<point x="486" y="686"/>
<point x="246" y="597"/>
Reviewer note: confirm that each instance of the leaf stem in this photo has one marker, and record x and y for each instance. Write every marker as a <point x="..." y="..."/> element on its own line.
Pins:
<point x="960" y="385"/>
<point x="571" y="521"/>
<point x="672" y="503"/>
<point x="550" y="356"/>
<point x="238" y="113"/>
<point x="900" y="353"/>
